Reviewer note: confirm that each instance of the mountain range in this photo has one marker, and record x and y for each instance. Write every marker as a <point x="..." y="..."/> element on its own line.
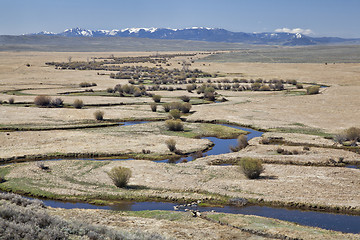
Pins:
<point x="206" y="34"/>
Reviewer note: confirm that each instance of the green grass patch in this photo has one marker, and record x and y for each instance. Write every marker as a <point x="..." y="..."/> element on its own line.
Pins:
<point x="304" y="130"/>
<point x="159" y="215"/>
<point x="196" y="130"/>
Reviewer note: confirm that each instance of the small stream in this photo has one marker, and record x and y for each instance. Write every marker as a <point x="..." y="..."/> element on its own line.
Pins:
<point x="330" y="221"/>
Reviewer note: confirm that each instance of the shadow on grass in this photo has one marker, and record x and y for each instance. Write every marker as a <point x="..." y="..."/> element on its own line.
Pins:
<point x="136" y="187"/>
<point x="268" y="177"/>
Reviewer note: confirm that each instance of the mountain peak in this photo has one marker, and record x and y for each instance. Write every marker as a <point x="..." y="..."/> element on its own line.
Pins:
<point x="200" y="34"/>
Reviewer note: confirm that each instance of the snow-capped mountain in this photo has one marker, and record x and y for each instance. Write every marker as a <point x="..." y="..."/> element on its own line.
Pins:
<point x="200" y="34"/>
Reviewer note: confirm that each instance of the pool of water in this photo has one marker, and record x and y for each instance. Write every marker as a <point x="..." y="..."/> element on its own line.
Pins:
<point x="129" y="123"/>
<point x="221" y="146"/>
<point x="330" y="221"/>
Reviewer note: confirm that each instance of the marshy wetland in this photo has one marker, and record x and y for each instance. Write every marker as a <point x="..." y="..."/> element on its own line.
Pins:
<point x="298" y="135"/>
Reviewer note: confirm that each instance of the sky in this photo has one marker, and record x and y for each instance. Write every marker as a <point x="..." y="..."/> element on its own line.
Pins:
<point x="316" y="18"/>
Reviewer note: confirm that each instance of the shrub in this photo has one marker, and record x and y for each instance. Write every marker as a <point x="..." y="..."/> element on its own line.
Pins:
<point x="171" y="144"/>
<point x="11" y="100"/>
<point x="57" y="102"/>
<point x="264" y="88"/>
<point x="137" y="93"/>
<point x="312" y="90"/>
<point x="352" y="134"/>
<point x="251" y="167"/>
<point x="42" y="166"/>
<point x="265" y="141"/>
<point x="175" y="114"/>
<point x="176" y="105"/>
<point x="110" y="90"/>
<point x="86" y="84"/>
<point x="174" y="125"/>
<point x="2" y="179"/>
<point x="78" y="104"/>
<point x="156" y="98"/>
<point x="299" y="86"/>
<point x="280" y="150"/>
<point x="242" y="142"/>
<point x="185" y="108"/>
<point x="153" y="107"/>
<point x="42" y="100"/>
<point x="167" y="107"/>
<point x="209" y="96"/>
<point x="185" y="98"/>
<point x="99" y="115"/>
<point x="120" y="176"/>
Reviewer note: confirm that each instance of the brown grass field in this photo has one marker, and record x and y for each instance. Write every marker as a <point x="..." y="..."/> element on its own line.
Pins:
<point x="309" y="177"/>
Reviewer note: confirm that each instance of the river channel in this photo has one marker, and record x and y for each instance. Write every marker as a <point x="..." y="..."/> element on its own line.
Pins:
<point x="330" y="221"/>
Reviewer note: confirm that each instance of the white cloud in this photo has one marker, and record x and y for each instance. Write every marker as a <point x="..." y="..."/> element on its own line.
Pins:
<point x="295" y="30"/>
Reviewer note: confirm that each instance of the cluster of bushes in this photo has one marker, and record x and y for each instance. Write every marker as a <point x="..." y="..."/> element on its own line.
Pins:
<point x="158" y="75"/>
<point x="349" y="137"/>
<point x="174" y="125"/>
<point x="181" y="107"/>
<point x="251" y="167"/>
<point x="21" y="218"/>
<point x="136" y="91"/>
<point x="287" y="152"/>
<point x="46" y="101"/>
<point x="10" y="101"/>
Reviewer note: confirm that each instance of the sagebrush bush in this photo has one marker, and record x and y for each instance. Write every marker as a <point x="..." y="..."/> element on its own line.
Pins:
<point x="353" y="134"/>
<point x="57" y="102"/>
<point x="175" y="114"/>
<point x="171" y="144"/>
<point x="185" y="108"/>
<point x="251" y="167"/>
<point x="312" y="90"/>
<point x="11" y="100"/>
<point x="86" y="84"/>
<point x="99" y="115"/>
<point x="153" y="107"/>
<point x="42" y="100"/>
<point x="120" y="176"/>
<point x="242" y="142"/>
<point x="78" y="104"/>
<point x="185" y="98"/>
<point x="167" y="107"/>
<point x="174" y="125"/>
<point x="156" y="98"/>
<point x="299" y="86"/>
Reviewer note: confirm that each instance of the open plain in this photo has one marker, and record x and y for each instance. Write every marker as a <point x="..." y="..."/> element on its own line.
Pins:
<point x="313" y="176"/>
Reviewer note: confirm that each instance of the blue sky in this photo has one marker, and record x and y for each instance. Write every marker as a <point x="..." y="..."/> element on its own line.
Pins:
<point x="319" y="17"/>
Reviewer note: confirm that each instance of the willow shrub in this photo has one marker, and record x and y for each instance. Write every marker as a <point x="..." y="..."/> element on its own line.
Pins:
<point x="174" y="125"/>
<point x="120" y="176"/>
<point x="251" y="167"/>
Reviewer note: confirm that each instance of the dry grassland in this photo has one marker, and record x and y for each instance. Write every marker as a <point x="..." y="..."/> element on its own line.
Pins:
<point x="288" y="181"/>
